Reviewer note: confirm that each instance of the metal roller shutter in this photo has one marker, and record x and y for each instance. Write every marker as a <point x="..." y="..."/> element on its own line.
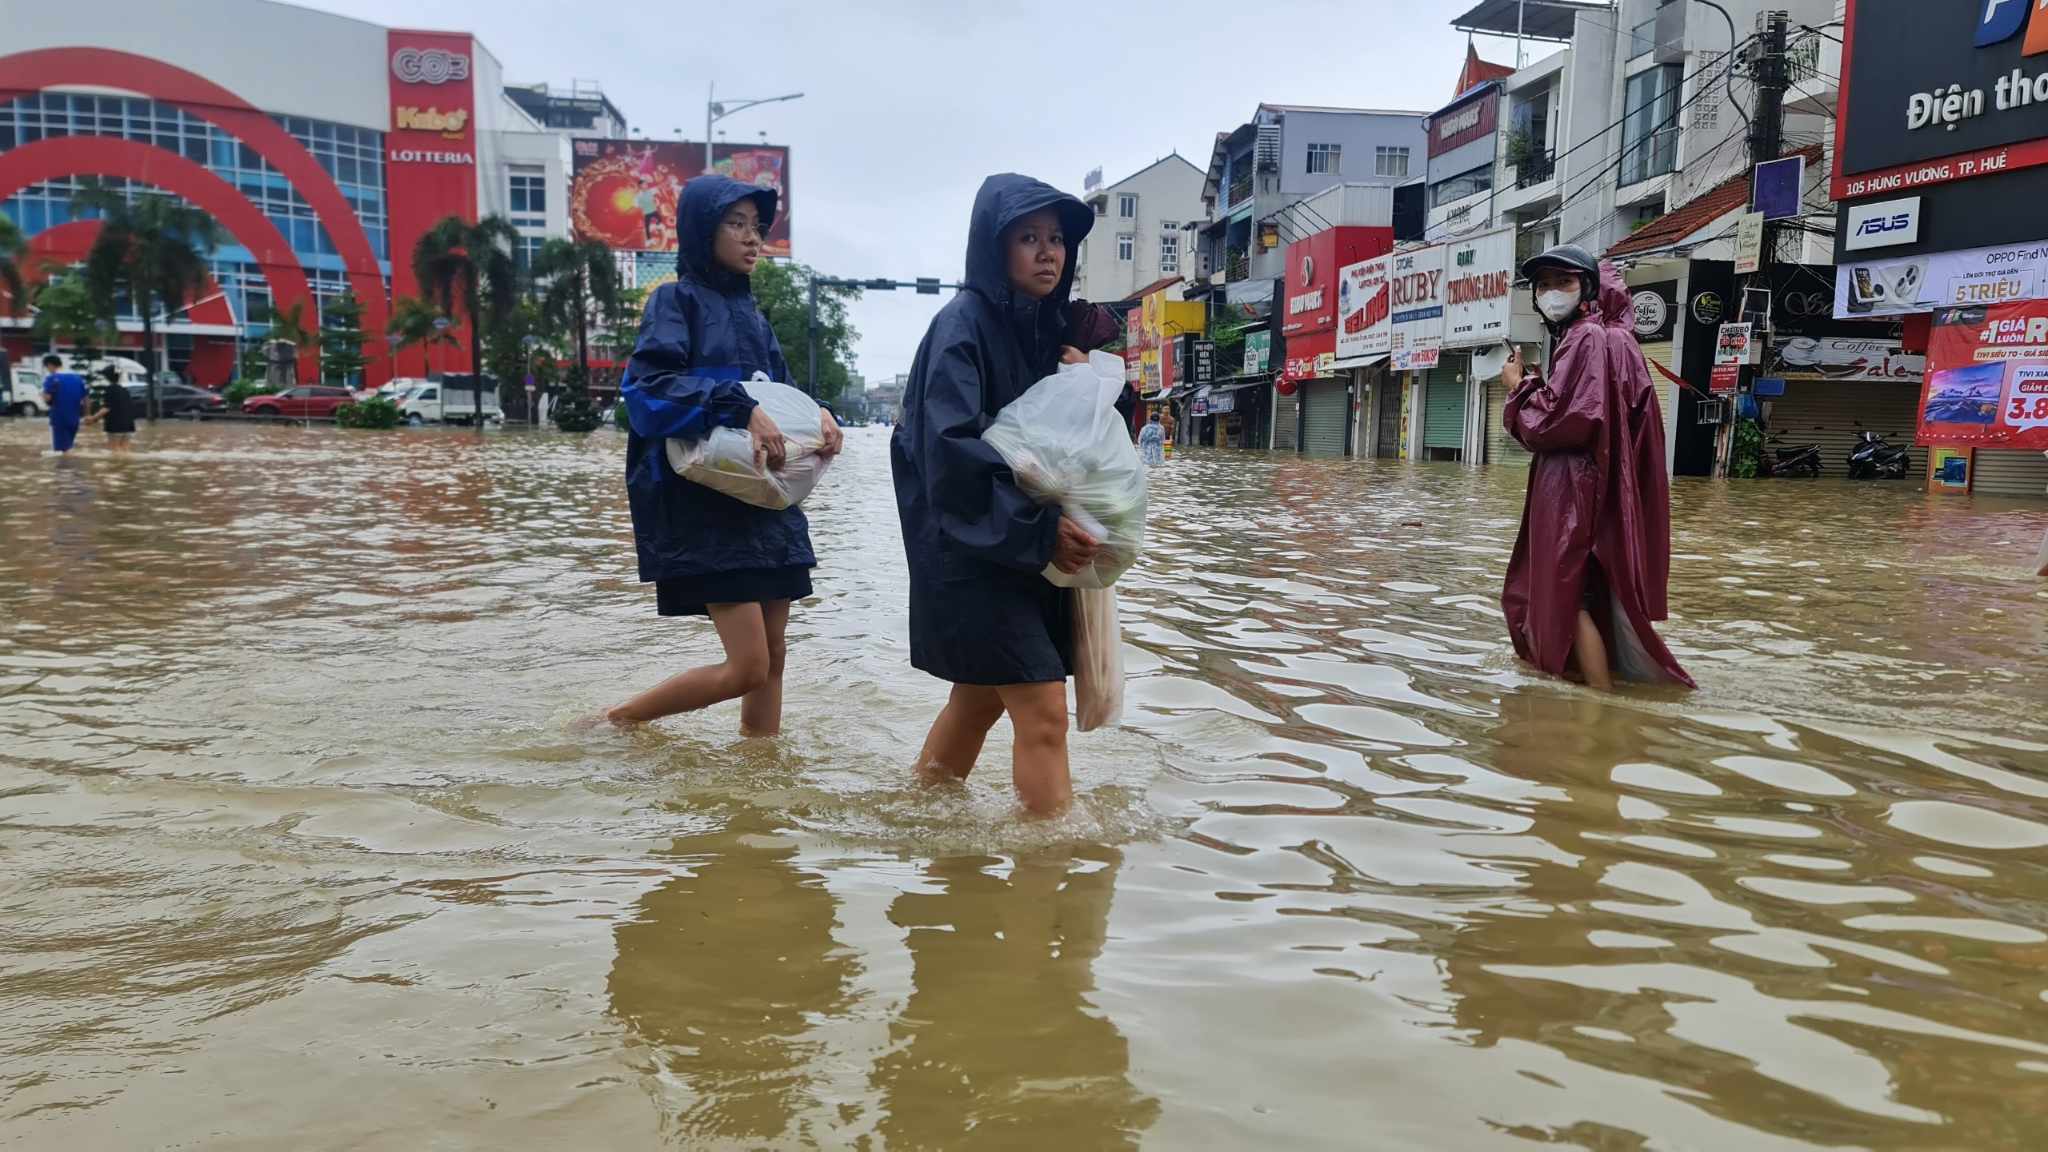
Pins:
<point x="1443" y="413"/>
<point x="2004" y="472"/>
<point x="1325" y="407"/>
<point x="1285" y="409"/>
<point x="1501" y="447"/>
<point x="1661" y="353"/>
<point x="1836" y="413"/>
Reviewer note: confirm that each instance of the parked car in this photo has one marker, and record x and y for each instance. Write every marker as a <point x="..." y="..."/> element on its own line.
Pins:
<point x="24" y="396"/>
<point x="450" y="401"/>
<point x="180" y="399"/>
<point x="306" y="402"/>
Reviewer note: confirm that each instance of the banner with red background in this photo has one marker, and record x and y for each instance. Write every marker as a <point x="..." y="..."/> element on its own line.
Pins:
<point x="430" y="152"/>
<point x="624" y="192"/>
<point x="1987" y="377"/>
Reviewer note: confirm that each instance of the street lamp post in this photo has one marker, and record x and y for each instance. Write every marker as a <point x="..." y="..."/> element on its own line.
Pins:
<point x="393" y="340"/>
<point x="527" y="344"/>
<point x="716" y="110"/>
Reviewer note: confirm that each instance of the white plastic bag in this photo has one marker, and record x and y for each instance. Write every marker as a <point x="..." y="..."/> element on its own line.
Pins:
<point x="724" y="459"/>
<point x="1098" y="660"/>
<point x="1068" y="446"/>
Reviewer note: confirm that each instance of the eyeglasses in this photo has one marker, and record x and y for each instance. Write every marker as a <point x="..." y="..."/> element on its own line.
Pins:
<point x="744" y="228"/>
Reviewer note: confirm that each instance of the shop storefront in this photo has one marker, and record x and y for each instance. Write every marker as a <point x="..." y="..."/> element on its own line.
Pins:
<point x="1363" y="338"/>
<point x="1939" y="216"/>
<point x="1478" y="287"/>
<point x="1835" y="388"/>
<point x="1415" y="298"/>
<point x="1320" y="395"/>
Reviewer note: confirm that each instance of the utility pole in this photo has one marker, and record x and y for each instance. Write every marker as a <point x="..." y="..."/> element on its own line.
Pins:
<point x="1766" y="142"/>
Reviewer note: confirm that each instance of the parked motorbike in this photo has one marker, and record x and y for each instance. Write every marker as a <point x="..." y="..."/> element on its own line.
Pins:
<point x="1791" y="460"/>
<point x="1875" y="459"/>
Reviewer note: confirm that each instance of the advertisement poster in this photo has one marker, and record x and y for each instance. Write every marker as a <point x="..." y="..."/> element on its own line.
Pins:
<point x="1479" y="277"/>
<point x="1733" y="345"/>
<point x="1749" y="243"/>
<point x="430" y="151"/>
<point x="1415" y="290"/>
<point x="1656" y="311"/>
<point x="1258" y="352"/>
<point x="1987" y="378"/>
<point x="624" y="192"/>
<point x="1365" y="318"/>
<point x="1843" y="358"/>
<point x="1973" y="277"/>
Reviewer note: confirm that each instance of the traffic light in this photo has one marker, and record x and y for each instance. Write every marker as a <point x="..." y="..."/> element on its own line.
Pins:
<point x="927" y="286"/>
<point x="881" y="285"/>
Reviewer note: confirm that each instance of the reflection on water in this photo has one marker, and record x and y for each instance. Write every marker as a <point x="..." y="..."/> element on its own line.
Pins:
<point x="293" y="821"/>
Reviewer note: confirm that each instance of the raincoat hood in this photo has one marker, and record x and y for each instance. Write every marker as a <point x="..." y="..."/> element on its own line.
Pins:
<point x="1615" y="308"/>
<point x="705" y="201"/>
<point x="1003" y="200"/>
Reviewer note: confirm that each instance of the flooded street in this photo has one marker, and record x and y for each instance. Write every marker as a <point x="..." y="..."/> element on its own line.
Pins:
<point x="301" y="850"/>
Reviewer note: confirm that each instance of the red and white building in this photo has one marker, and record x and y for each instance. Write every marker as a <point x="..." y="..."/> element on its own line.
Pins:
<point x="322" y="145"/>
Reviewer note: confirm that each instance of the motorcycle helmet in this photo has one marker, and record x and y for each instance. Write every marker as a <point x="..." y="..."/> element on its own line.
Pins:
<point x="1572" y="258"/>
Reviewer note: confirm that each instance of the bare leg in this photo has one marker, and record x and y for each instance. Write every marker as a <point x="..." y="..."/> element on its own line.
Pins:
<point x="955" y="741"/>
<point x="745" y="670"/>
<point x="1589" y="650"/>
<point x="1038" y="713"/>
<point x="761" y="709"/>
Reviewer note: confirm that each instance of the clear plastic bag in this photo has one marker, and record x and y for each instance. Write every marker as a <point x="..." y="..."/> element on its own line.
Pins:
<point x="1067" y="445"/>
<point x="1098" y="660"/>
<point x="724" y="459"/>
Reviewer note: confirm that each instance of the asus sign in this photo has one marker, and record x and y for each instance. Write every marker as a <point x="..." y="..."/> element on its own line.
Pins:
<point x="1883" y="224"/>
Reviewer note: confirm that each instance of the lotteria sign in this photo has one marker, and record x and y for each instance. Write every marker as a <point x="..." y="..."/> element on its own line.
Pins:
<point x="430" y="151"/>
<point x="1936" y="92"/>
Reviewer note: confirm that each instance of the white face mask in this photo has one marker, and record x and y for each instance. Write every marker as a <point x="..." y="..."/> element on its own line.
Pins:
<point x="1557" y="305"/>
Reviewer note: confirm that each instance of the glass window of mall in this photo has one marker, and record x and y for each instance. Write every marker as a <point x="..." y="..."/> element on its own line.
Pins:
<point x="529" y="196"/>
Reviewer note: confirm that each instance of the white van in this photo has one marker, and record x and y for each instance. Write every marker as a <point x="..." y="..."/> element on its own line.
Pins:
<point x="449" y="401"/>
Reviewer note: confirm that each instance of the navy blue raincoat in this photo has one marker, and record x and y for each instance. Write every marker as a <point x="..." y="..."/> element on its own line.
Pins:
<point x="701" y="336"/>
<point x="981" y="611"/>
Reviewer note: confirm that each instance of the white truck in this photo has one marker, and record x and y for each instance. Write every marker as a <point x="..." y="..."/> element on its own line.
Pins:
<point x="450" y="400"/>
<point x="23" y="392"/>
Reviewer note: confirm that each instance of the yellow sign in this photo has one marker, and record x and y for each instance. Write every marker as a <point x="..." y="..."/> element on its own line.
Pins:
<point x="431" y="119"/>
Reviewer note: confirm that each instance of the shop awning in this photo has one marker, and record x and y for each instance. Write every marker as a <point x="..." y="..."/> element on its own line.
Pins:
<point x="1360" y="362"/>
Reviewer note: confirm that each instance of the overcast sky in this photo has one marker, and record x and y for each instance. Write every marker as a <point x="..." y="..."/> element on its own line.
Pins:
<point x="910" y="103"/>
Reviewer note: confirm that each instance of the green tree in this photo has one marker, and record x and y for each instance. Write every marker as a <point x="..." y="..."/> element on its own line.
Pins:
<point x="619" y="336"/>
<point x="154" y="248"/>
<point x="67" y="313"/>
<point x="471" y="264"/>
<point x="342" y="338"/>
<point x="413" y="322"/>
<point x="13" y="246"/>
<point x="782" y="291"/>
<point x="581" y="289"/>
<point x="509" y="358"/>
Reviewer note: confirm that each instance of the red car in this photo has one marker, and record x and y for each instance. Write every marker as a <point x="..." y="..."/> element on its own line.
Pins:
<point x="306" y="402"/>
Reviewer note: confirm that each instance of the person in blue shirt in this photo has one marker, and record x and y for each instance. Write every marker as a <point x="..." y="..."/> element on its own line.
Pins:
<point x="65" y="393"/>
<point x="706" y="553"/>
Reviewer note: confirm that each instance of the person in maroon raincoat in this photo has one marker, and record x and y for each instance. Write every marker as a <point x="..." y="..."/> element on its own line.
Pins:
<point x="1590" y="565"/>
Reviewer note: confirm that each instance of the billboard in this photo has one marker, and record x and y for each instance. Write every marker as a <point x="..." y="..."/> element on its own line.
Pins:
<point x="624" y="192"/>
<point x="430" y="151"/>
<point x="1478" y="279"/>
<point x="1987" y="379"/>
<point x="1365" y="320"/>
<point x="1415" y="290"/>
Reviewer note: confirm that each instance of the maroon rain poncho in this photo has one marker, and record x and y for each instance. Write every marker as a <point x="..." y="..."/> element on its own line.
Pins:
<point x="1596" y="522"/>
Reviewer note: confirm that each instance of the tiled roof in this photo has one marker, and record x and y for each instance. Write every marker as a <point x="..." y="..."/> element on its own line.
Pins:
<point x="1673" y="227"/>
<point x="1147" y="290"/>
<point x="1479" y="71"/>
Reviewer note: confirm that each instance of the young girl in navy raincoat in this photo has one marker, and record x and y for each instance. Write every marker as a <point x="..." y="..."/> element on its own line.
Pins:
<point x="706" y="553"/>
<point x="982" y="614"/>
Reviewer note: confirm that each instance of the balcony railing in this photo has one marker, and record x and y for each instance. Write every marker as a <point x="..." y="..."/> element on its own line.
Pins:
<point x="1237" y="265"/>
<point x="1533" y="170"/>
<point x="1241" y="186"/>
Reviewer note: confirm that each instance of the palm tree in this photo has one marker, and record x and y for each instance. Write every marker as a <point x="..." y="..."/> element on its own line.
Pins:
<point x="154" y="247"/>
<point x="413" y="322"/>
<point x="472" y="263"/>
<point x="582" y="288"/>
<point x="13" y="246"/>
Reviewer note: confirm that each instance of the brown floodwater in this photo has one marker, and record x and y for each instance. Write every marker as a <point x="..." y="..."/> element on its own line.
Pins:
<point x="299" y="847"/>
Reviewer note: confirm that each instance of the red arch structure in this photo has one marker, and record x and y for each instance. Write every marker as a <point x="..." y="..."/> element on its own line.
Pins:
<point x="37" y="70"/>
<point x="69" y="242"/>
<point x="61" y="156"/>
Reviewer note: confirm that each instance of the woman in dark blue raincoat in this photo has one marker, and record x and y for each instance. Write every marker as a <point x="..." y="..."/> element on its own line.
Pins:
<point x="706" y="553"/>
<point x="982" y="615"/>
